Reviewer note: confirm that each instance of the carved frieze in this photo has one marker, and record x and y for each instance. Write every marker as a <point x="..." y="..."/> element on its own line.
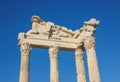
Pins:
<point x="49" y="32"/>
<point x="40" y="27"/>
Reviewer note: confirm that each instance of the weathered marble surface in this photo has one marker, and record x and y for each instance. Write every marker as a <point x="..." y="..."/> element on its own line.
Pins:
<point x="54" y="37"/>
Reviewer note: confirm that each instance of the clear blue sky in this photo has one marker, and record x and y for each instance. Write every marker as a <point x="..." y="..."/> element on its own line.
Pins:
<point x="15" y="17"/>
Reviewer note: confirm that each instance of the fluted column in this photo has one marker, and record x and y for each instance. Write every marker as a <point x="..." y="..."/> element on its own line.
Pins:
<point x="94" y="75"/>
<point x="54" y="73"/>
<point x="24" y="65"/>
<point x="80" y="65"/>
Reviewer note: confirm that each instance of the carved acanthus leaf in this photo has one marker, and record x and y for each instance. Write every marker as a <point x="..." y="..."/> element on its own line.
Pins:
<point x="25" y="48"/>
<point x="89" y="42"/>
<point x="53" y="51"/>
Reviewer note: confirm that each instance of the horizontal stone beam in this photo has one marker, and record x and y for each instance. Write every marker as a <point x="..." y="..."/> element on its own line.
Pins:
<point x="45" y="43"/>
<point x="62" y="39"/>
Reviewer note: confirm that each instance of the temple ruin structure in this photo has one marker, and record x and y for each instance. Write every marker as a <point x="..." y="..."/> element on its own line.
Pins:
<point x="54" y="38"/>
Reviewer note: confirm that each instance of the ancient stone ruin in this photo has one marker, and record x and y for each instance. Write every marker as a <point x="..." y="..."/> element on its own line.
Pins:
<point x="54" y="38"/>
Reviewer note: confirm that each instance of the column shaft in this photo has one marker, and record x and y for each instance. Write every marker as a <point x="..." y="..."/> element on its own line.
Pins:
<point x="81" y="77"/>
<point x="54" y="73"/>
<point x="24" y="65"/>
<point x="94" y="75"/>
<point x="93" y="66"/>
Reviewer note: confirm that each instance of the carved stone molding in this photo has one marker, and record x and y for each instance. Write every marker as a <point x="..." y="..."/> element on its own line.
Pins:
<point x="25" y="48"/>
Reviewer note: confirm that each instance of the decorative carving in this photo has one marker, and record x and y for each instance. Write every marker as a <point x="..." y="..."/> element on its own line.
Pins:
<point x="87" y="30"/>
<point x="43" y="34"/>
<point x="89" y="26"/>
<point x="54" y="33"/>
<point x="36" y="19"/>
<point x="37" y="23"/>
<point x="89" y="42"/>
<point x="57" y="32"/>
<point x="92" y="22"/>
<point x="53" y="51"/>
<point x="25" y="48"/>
<point x="49" y="29"/>
<point x="21" y="37"/>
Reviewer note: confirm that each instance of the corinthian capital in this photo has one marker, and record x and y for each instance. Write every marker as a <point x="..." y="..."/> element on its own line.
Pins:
<point x="53" y="51"/>
<point x="25" y="48"/>
<point x="89" y="42"/>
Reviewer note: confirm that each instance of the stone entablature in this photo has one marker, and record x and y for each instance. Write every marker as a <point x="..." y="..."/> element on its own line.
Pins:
<point x="49" y="32"/>
<point x="54" y="37"/>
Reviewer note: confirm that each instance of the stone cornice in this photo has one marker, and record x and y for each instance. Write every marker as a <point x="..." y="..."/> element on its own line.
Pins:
<point x="43" y="34"/>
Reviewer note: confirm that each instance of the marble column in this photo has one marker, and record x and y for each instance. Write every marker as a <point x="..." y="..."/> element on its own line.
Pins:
<point x="24" y="65"/>
<point x="81" y="77"/>
<point x="94" y="75"/>
<point x="53" y="55"/>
